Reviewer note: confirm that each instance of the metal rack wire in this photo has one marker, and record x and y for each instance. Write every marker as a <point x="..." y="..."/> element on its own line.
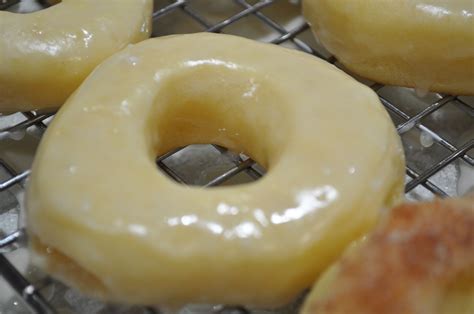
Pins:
<point x="428" y="116"/>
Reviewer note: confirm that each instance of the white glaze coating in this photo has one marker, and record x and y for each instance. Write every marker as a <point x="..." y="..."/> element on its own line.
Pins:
<point x="45" y="55"/>
<point x="146" y="239"/>
<point x="426" y="44"/>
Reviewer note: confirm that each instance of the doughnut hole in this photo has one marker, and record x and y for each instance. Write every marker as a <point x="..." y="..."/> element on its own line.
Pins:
<point x="209" y="166"/>
<point x="237" y="110"/>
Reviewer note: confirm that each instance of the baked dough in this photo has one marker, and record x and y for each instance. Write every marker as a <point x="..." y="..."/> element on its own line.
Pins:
<point x="97" y="201"/>
<point x="44" y="56"/>
<point x="425" y="44"/>
<point x="420" y="259"/>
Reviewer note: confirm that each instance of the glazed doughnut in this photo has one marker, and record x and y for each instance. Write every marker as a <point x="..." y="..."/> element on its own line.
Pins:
<point x="420" y="259"/>
<point x="97" y="202"/>
<point x="425" y="44"/>
<point x="45" y="55"/>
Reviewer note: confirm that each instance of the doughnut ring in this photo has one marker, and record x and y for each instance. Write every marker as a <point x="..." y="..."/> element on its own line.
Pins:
<point x="104" y="219"/>
<point x="427" y="45"/>
<point x="45" y="55"/>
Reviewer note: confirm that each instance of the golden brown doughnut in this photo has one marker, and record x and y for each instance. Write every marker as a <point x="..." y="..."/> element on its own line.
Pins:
<point x="420" y="259"/>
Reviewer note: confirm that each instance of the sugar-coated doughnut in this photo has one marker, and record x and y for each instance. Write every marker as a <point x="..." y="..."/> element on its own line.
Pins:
<point x="425" y="44"/>
<point x="97" y="202"/>
<point x="45" y="55"/>
<point x="420" y="259"/>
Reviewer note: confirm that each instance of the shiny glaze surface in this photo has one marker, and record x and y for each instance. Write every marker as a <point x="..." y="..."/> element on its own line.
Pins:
<point x="427" y="45"/>
<point x="44" y="56"/>
<point x="97" y="197"/>
<point x="419" y="259"/>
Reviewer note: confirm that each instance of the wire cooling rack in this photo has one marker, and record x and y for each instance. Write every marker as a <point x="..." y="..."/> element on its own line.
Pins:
<point x="437" y="132"/>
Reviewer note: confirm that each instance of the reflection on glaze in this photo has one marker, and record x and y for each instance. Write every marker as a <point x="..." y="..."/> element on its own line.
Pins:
<point x="53" y="47"/>
<point x="133" y="60"/>
<point x="437" y="8"/>
<point x="50" y="48"/>
<point x="224" y="209"/>
<point x="137" y="229"/>
<point x="188" y="220"/>
<point x="72" y="169"/>
<point x="244" y="230"/>
<point x="194" y="63"/>
<point x="251" y="91"/>
<point x="72" y="36"/>
<point x="308" y="202"/>
<point x="145" y="28"/>
<point x="440" y="8"/>
<point x="260" y="216"/>
<point x="434" y="10"/>
<point x="87" y="38"/>
<point x="466" y="13"/>
<point x="157" y="77"/>
<point x="124" y="108"/>
<point x="92" y="108"/>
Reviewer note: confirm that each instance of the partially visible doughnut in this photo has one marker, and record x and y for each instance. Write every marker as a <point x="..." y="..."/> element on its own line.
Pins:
<point x="420" y="259"/>
<point x="45" y="55"/>
<point x="97" y="202"/>
<point x="426" y="44"/>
